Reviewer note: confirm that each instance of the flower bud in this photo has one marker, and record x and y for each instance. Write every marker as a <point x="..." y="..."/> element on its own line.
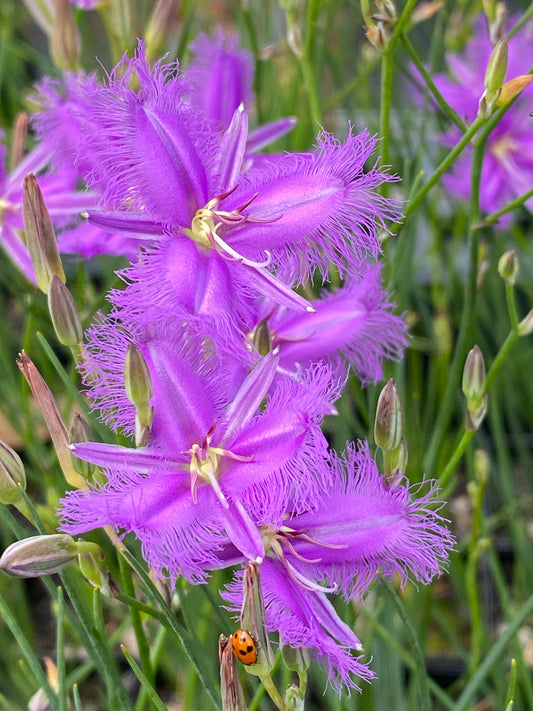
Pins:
<point x="12" y="475"/>
<point x="481" y="466"/>
<point x="498" y="23"/>
<point x="163" y="19"/>
<point x="79" y="431"/>
<point x="94" y="569"/>
<point x="137" y="377"/>
<point x="262" y="338"/>
<point x="253" y="621"/>
<point x="52" y="417"/>
<point x="399" y="457"/>
<point x="489" y="8"/>
<point x="40" y="236"/>
<point x="425" y="11"/>
<point x="476" y="414"/>
<point x="386" y="12"/>
<point x="230" y="685"/>
<point x="39" y="555"/>
<point x="296" y="659"/>
<point x="18" y="146"/>
<point x="377" y="36"/>
<point x="474" y="377"/>
<point x="40" y="701"/>
<point x="513" y="88"/>
<point x="293" y="699"/>
<point x="525" y="327"/>
<point x="64" y="314"/>
<point x="497" y="68"/>
<point x="388" y="425"/>
<point x="508" y="266"/>
<point x="139" y="391"/>
<point x="65" y="41"/>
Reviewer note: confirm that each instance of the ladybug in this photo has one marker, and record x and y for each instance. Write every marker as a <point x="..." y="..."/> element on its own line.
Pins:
<point x="244" y="647"/>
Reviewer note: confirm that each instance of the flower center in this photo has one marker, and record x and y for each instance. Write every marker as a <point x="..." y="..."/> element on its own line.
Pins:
<point x="280" y="542"/>
<point x="502" y="147"/>
<point x="5" y="208"/>
<point x="205" y="465"/>
<point x="207" y="222"/>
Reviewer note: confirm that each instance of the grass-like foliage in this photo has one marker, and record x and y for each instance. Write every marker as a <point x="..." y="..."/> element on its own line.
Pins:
<point x="266" y="406"/>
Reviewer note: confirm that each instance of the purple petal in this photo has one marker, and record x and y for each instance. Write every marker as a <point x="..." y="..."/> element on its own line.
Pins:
<point x="305" y="207"/>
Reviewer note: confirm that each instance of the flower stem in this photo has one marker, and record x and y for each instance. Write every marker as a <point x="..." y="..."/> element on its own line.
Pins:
<point x="273" y="692"/>
<point x="494" y="369"/>
<point x="445" y="107"/>
<point x="493" y="217"/>
<point x="465" y="326"/>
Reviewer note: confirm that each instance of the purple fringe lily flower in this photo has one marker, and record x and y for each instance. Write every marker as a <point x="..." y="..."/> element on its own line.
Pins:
<point x="363" y="525"/>
<point x="220" y="77"/>
<point x="169" y="178"/>
<point x="211" y="455"/>
<point x="62" y="199"/>
<point x="355" y="321"/>
<point x="508" y="165"/>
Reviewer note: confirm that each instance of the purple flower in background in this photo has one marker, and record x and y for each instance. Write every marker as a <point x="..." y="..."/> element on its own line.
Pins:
<point x="220" y="78"/>
<point x="63" y="201"/>
<point x="211" y="455"/>
<point x="355" y="321"/>
<point x="363" y="525"/>
<point x="508" y="165"/>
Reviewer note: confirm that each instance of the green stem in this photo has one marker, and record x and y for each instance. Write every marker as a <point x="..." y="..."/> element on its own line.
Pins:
<point x="29" y="654"/>
<point x="476" y="548"/>
<point x="467" y="315"/>
<point x="135" y="616"/>
<point x="118" y="696"/>
<point x="387" y="65"/>
<point x="493" y="217"/>
<point x="273" y="692"/>
<point x="493" y="656"/>
<point x="443" y="166"/>
<point x="420" y="667"/>
<point x="441" y="101"/>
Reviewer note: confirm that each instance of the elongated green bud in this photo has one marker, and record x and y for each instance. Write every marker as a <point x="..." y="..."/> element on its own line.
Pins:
<point x="497" y="68"/>
<point x="262" y="338"/>
<point x="65" y="41"/>
<point x="64" y="313"/>
<point x="12" y="475"/>
<point x="40" y="236"/>
<point x="94" y="569"/>
<point x="137" y="377"/>
<point x="508" y="267"/>
<point x="494" y="78"/>
<point x="39" y="555"/>
<point x="253" y="622"/>
<point x="163" y="20"/>
<point x="79" y="431"/>
<point x="388" y="425"/>
<point x="139" y="391"/>
<point x="230" y="685"/>
<point x="474" y="378"/>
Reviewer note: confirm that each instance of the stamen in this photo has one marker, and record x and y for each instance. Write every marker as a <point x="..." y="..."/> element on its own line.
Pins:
<point x="236" y="256"/>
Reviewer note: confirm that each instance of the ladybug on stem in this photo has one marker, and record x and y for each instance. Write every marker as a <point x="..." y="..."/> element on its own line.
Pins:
<point x="244" y="647"/>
